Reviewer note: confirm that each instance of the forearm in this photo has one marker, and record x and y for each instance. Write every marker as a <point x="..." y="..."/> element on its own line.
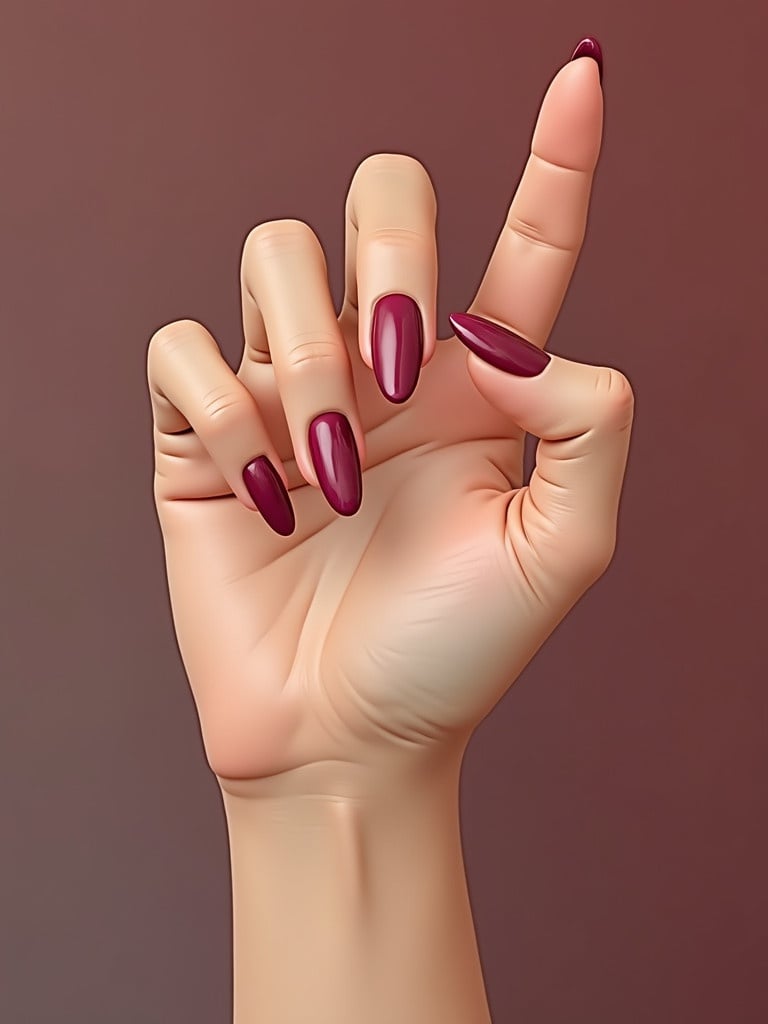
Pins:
<point x="350" y="904"/>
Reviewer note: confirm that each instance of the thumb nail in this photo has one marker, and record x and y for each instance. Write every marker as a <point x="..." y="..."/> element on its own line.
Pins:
<point x="499" y="346"/>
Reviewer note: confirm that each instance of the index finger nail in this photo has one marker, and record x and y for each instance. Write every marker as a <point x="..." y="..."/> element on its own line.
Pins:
<point x="589" y="47"/>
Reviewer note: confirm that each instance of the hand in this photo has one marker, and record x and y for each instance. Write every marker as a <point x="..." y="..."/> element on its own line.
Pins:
<point x="386" y="632"/>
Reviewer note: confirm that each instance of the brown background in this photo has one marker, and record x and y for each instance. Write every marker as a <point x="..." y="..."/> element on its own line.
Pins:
<point x="615" y="803"/>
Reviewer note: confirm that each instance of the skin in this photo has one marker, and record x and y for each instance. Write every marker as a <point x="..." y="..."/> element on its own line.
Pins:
<point x="340" y="672"/>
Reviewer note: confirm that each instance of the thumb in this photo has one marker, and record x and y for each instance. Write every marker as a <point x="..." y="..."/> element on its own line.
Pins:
<point x="562" y="526"/>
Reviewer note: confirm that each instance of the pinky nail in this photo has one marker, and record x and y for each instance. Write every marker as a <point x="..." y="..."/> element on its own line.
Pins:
<point x="269" y="495"/>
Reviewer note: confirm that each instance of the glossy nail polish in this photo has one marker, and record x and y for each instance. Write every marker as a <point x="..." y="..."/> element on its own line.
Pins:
<point x="397" y="345"/>
<point x="499" y="346"/>
<point x="336" y="462"/>
<point x="269" y="495"/>
<point x="589" y="47"/>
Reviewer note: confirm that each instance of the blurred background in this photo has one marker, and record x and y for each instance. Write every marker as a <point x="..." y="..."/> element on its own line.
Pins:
<point x="615" y="803"/>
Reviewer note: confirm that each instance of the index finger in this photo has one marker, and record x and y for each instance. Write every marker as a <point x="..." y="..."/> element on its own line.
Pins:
<point x="534" y="258"/>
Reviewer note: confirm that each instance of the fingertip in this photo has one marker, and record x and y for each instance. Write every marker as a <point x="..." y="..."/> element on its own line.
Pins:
<point x="569" y="126"/>
<point x="266" y="488"/>
<point x="590" y="47"/>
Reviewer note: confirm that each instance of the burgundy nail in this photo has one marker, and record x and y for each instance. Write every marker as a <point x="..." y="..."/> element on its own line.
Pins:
<point x="397" y="345"/>
<point x="336" y="461"/>
<point x="269" y="495"/>
<point x="499" y="346"/>
<point x="589" y="47"/>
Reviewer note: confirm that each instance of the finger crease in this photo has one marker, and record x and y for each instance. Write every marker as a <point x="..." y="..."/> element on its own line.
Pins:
<point x="528" y="234"/>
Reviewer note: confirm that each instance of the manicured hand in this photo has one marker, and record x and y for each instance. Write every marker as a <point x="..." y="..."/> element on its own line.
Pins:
<point x="329" y="614"/>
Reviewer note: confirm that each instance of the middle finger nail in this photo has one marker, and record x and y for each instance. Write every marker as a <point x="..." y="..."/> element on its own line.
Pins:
<point x="397" y="345"/>
<point x="336" y="462"/>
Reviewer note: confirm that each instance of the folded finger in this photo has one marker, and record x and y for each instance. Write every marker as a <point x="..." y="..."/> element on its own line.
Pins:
<point x="192" y="385"/>
<point x="285" y="280"/>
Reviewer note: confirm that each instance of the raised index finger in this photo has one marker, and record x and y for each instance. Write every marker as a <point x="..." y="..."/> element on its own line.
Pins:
<point x="532" y="263"/>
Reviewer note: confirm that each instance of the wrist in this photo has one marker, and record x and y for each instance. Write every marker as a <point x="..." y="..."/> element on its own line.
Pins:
<point x="349" y="897"/>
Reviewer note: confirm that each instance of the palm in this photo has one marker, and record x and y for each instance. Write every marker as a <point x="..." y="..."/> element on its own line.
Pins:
<point x="391" y="626"/>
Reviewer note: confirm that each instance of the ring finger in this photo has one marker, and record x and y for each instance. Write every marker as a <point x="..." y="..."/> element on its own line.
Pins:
<point x="289" y="321"/>
<point x="390" y="268"/>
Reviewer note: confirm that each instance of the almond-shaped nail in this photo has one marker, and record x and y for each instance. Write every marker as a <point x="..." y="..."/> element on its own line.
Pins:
<point x="589" y="47"/>
<point x="269" y="495"/>
<point x="498" y="345"/>
<point x="336" y="462"/>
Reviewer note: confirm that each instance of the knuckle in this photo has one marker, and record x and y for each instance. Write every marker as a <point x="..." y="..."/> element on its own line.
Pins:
<point x="273" y="236"/>
<point x="402" y="166"/>
<point x="222" y="407"/>
<point x="615" y="398"/>
<point x="537" y="234"/>
<point x="590" y="556"/>
<point x="311" y="347"/>
<point x="399" y="237"/>
<point x="600" y="556"/>
<point x="169" y="337"/>
<point x="388" y="162"/>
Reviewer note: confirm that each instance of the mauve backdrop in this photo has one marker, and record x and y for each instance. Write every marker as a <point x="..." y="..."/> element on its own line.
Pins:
<point x="615" y="802"/>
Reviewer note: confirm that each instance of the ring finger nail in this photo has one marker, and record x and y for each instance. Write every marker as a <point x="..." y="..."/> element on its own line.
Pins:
<point x="397" y="345"/>
<point x="336" y="462"/>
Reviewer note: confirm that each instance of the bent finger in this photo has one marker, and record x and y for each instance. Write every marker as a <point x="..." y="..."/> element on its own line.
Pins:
<point x="284" y="276"/>
<point x="192" y="385"/>
<point x="390" y="268"/>
<point x="562" y="526"/>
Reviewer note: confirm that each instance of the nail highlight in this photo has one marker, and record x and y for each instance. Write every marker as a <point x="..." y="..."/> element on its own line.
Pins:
<point x="269" y="495"/>
<point x="397" y="345"/>
<point x="498" y="345"/>
<point x="336" y="462"/>
<point x="589" y="47"/>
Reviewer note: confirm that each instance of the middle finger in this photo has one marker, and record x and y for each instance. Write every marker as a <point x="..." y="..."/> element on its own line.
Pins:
<point x="390" y="268"/>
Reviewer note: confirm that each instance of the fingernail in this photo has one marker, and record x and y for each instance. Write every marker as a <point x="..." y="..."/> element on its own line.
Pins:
<point x="499" y="346"/>
<point x="397" y="345"/>
<point x="589" y="47"/>
<point x="336" y="462"/>
<point x="269" y="495"/>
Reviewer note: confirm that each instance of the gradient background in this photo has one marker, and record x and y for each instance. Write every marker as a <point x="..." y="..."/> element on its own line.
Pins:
<point x="615" y="804"/>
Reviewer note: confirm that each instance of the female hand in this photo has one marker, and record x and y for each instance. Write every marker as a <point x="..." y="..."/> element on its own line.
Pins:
<point x="382" y="634"/>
